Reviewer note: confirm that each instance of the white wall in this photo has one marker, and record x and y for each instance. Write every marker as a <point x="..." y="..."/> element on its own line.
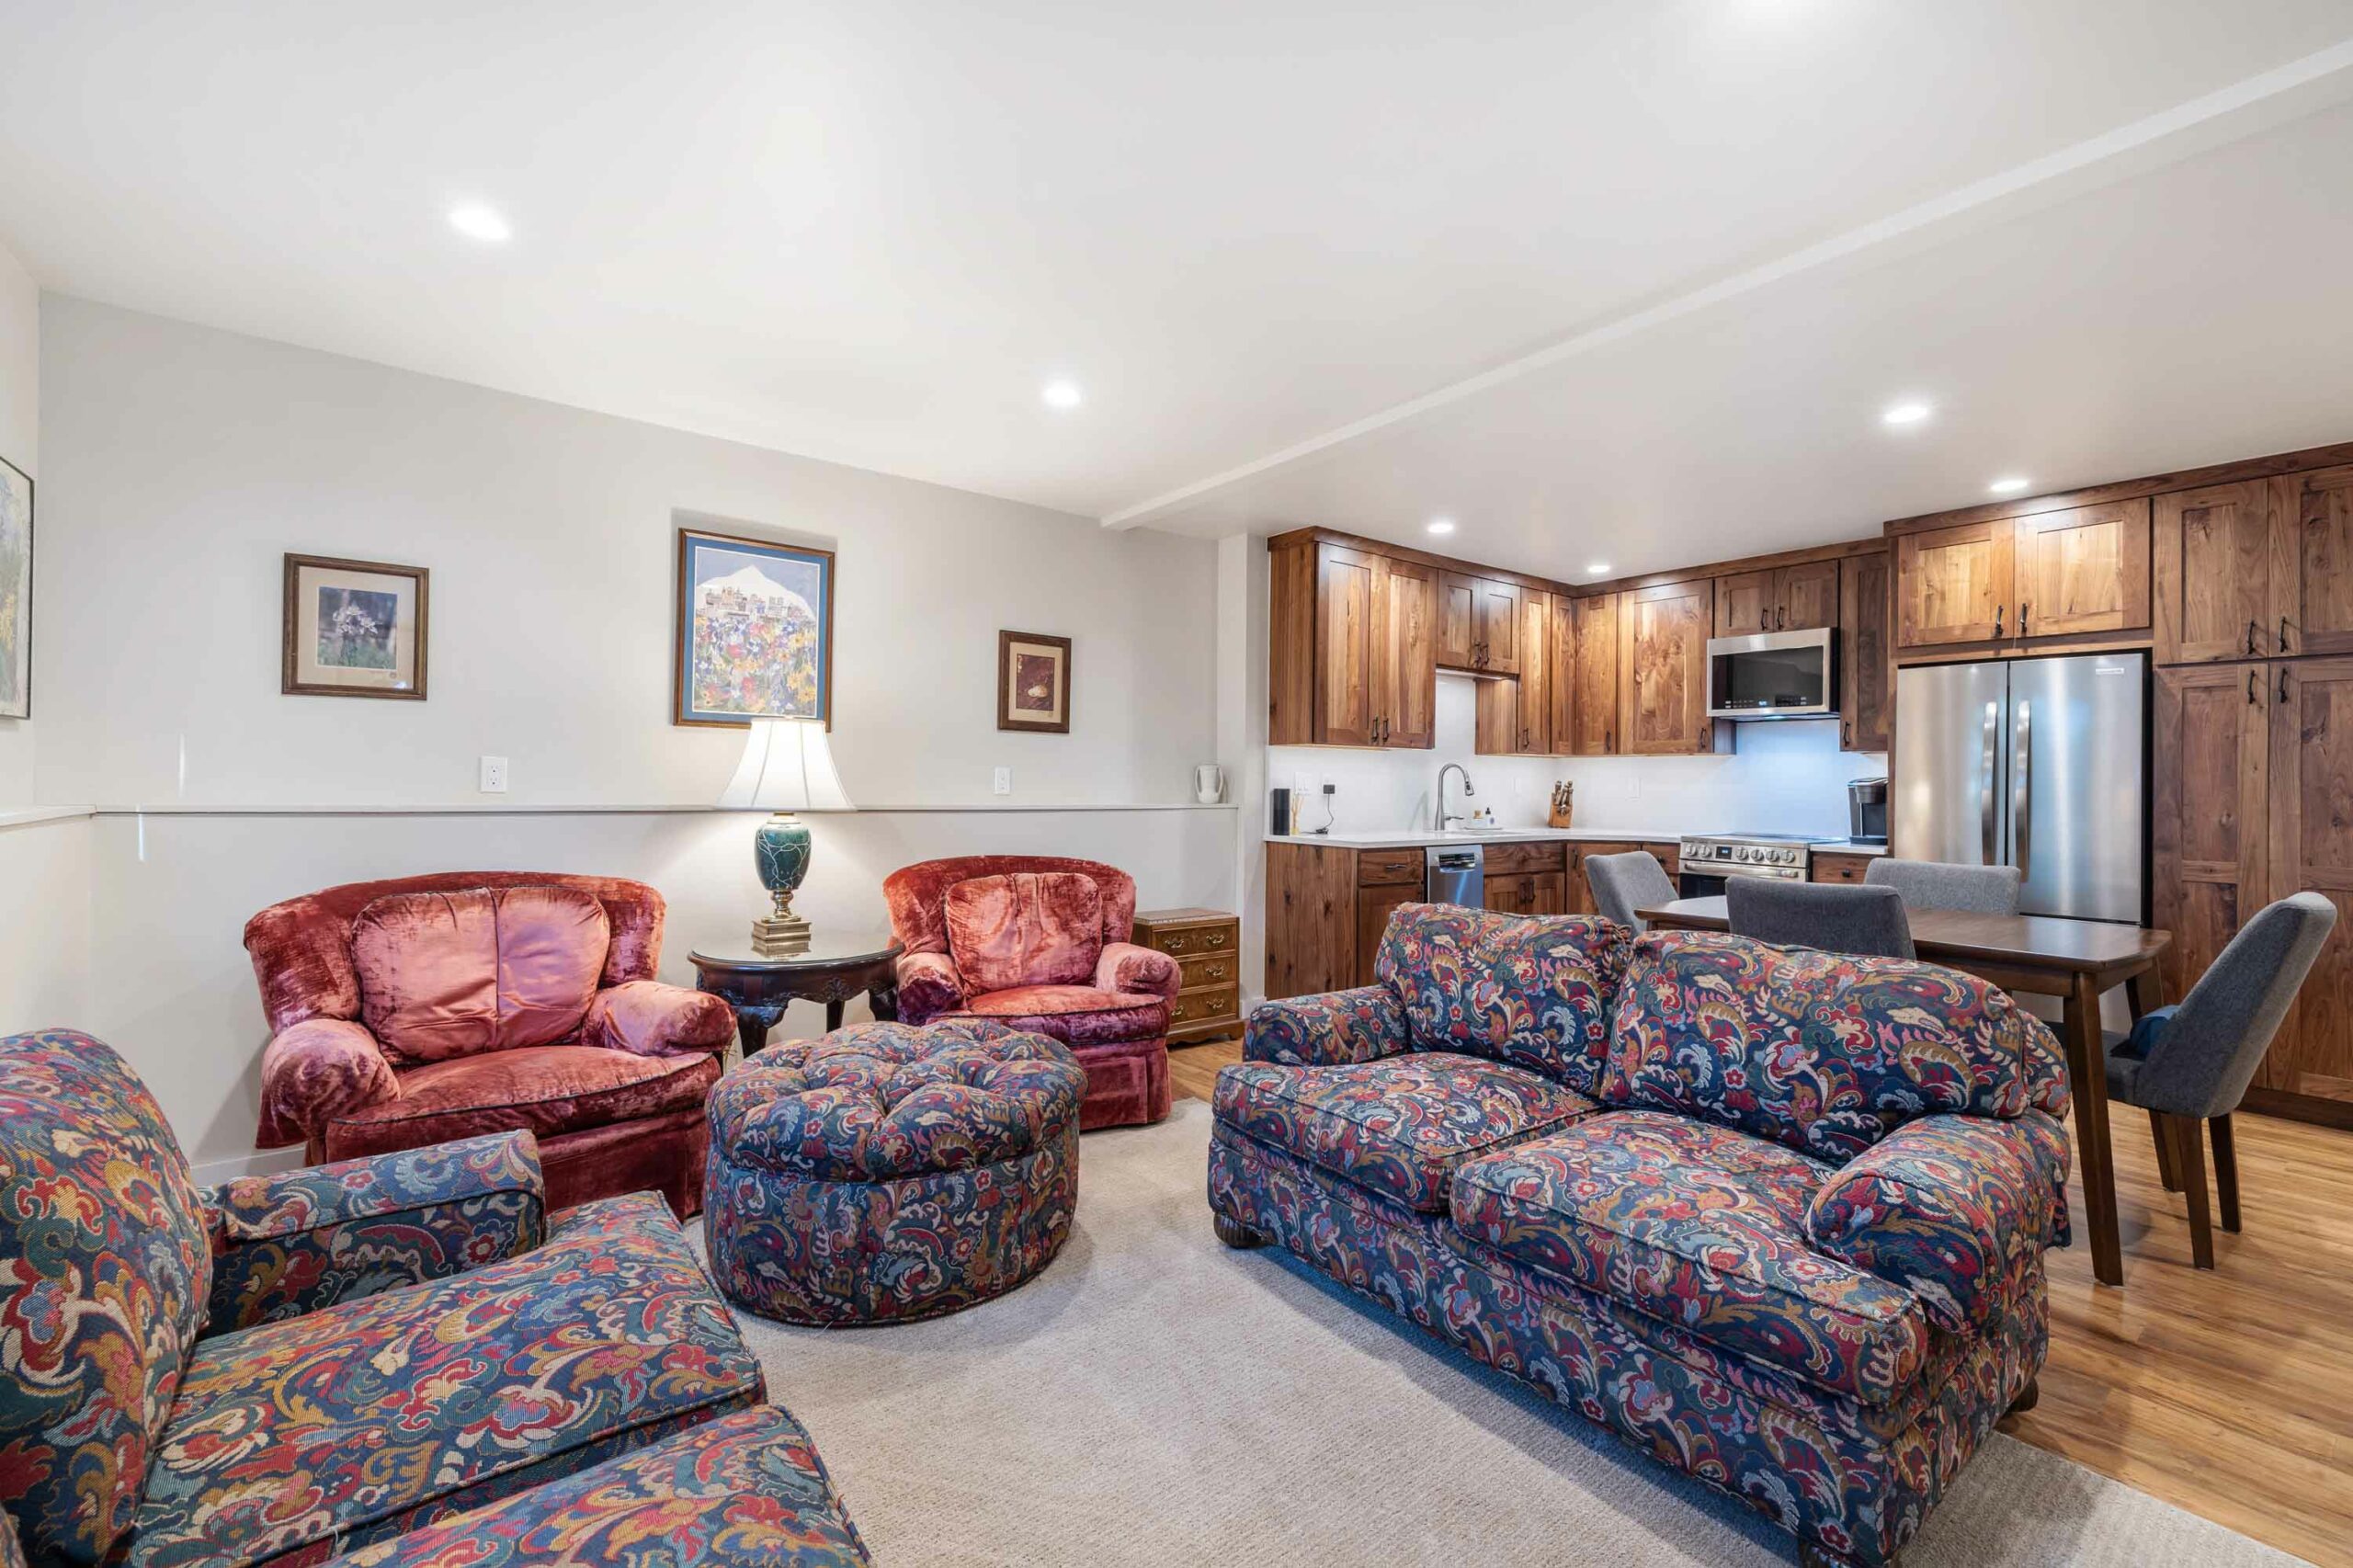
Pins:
<point x="1789" y="777"/>
<point x="20" y="444"/>
<point x="181" y="462"/>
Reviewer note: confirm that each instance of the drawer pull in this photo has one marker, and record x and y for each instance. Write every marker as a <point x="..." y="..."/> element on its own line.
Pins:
<point x="1217" y="941"/>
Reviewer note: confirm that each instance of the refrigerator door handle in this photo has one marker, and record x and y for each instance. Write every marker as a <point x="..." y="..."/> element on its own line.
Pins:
<point x="2021" y="790"/>
<point x="1985" y="785"/>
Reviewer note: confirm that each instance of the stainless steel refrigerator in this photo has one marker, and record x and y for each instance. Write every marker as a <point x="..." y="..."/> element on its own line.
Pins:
<point x="2033" y="763"/>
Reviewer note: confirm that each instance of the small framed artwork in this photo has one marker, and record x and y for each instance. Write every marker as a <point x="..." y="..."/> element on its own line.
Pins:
<point x="755" y="632"/>
<point x="15" y="592"/>
<point x="1033" y="682"/>
<point x="355" y="628"/>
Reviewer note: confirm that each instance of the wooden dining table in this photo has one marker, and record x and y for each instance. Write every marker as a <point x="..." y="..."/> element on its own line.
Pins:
<point x="2077" y="961"/>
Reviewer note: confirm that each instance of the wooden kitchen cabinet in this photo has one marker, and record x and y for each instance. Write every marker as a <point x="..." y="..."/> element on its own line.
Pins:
<point x="1501" y="617"/>
<point x="1374" y="906"/>
<point x="1530" y="892"/>
<point x="1831" y="867"/>
<point x="2212" y="551"/>
<point x="1515" y="714"/>
<point x="1479" y="624"/>
<point x="1352" y="649"/>
<point x="1663" y="668"/>
<point x="1580" y="891"/>
<point x="1952" y="584"/>
<point x="2082" y="570"/>
<point x="1585" y="676"/>
<point x="1458" y="621"/>
<point x="2312" y="562"/>
<point x="2312" y="848"/>
<point x="1865" y="657"/>
<point x="1785" y="598"/>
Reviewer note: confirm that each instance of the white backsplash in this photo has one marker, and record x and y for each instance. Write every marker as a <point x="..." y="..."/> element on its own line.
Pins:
<point x="1789" y="777"/>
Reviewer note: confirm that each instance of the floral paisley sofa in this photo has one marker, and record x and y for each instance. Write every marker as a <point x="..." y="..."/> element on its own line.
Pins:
<point x="403" y="1357"/>
<point x="1774" y="1216"/>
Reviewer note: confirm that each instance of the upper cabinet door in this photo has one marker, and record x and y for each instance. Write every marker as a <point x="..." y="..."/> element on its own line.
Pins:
<point x="2312" y="562"/>
<point x="1348" y="603"/>
<point x="1952" y="584"/>
<point x="1458" y="621"/>
<point x="1535" y="675"/>
<point x="1865" y="689"/>
<point x="1499" y="626"/>
<point x="2082" y="569"/>
<point x="1585" y="676"/>
<point x="1663" y="666"/>
<point x="1746" y="603"/>
<point x="1405" y="689"/>
<point x="2212" y="550"/>
<point x="1805" y="598"/>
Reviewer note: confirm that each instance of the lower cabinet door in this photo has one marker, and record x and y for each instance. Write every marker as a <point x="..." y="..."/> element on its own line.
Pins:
<point x="1374" y="906"/>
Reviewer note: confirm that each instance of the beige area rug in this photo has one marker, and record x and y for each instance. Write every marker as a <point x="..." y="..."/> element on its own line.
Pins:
<point x="1154" y="1398"/>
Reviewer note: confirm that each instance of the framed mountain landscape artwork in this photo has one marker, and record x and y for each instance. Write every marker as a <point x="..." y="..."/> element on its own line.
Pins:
<point x="354" y="628"/>
<point x="1033" y="682"/>
<point x="15" y="592"/>
<point x="754" y="636"/>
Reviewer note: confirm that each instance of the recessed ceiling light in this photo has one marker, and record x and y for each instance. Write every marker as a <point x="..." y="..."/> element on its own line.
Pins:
<point x="1904" y="414"/>
<point x="1597" y="568"/>
<point x="2010" y="487"/>
<point x="1062" y="394"/>
<point x="479" y="223"/>
<point x="1441" y="525"/>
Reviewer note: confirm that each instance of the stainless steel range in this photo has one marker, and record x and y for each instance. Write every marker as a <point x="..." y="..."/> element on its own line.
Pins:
<point x="1706" y="862"/>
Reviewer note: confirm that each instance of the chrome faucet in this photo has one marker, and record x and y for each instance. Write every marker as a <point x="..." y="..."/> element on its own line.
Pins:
<point x="1446" y="823"/>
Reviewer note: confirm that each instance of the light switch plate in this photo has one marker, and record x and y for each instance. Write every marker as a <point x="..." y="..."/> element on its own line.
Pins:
<point x="1002" y="782"/>
<point x="493" y="776"/>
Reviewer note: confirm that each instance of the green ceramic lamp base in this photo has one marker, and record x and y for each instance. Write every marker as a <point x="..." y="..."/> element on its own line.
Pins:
<point x="780" y="849"/>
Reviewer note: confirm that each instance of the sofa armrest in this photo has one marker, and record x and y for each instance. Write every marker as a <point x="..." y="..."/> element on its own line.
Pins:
<point x="297" y="1241"/>
<point x="1949" y="1207"/>
<point x="1141" y="972"/>
<point x="646" y="1017"/>
<point x="928" y="986"/>
<point x="1359" y="1025"/>
<point x="316" y="1071"/>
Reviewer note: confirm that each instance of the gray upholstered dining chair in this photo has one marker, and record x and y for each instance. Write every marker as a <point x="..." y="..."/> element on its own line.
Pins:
<point x="1624" y="883"/>
<point x="1934" y="884"/>
<point x="1809" y="915"/>
<point x="2188" y="1064"/>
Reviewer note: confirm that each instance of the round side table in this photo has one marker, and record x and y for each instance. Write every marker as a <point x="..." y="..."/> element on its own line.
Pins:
<point x="837" y="967"/>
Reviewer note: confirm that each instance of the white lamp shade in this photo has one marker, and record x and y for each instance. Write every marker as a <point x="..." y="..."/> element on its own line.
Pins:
<point x="787" y="767"/>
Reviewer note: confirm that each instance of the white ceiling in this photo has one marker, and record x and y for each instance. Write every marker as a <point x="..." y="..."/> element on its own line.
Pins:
<point x="2101" y="237"/>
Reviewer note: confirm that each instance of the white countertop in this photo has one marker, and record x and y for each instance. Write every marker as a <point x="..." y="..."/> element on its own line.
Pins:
<point x="1414" y="839"/>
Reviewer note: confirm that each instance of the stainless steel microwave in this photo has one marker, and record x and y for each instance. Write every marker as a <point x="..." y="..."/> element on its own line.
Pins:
<point x="1773" y="675"/>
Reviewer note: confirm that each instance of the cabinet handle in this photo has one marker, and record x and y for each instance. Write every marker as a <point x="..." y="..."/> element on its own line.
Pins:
<point x="1216" y="941"/>
<point x="2252" y="632"/>
<point x="2283" y="633"/>
<point x="2283" y="682"/>
<point x="2252" y="700"/>
<point x="2022" y="609"/>
<point x="1998" y="621"/>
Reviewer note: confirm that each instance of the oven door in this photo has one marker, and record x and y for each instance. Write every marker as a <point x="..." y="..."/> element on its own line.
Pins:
<point x="1699" y="884"/>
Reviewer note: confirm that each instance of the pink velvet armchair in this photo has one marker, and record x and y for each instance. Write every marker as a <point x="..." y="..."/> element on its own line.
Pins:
<point x="425" y="1009"/>
<point x="1041" y="944"/>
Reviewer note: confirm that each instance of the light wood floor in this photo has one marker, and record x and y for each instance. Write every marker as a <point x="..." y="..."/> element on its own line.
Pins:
<point x="2228" y="1392"/>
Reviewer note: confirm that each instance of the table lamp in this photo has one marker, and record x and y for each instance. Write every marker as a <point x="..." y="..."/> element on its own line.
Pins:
<point x="787" y="767"/>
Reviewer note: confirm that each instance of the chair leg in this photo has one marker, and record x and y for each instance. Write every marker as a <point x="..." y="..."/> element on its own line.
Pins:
<point x="2167" y="1175"/>
<point x="2189" y="1160"/>
<point x="2226" y="1171"/>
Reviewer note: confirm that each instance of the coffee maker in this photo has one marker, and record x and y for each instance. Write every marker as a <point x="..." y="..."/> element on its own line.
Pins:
<point x="1866" y="811"/>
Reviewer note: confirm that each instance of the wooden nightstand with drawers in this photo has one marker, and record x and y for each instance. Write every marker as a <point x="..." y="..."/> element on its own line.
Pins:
<point x="1206" y="944"/>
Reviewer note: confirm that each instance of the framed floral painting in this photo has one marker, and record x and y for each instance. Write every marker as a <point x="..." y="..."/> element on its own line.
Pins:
<point x="355" y="628"/>
<point x="15" y="592"/>
<point x="755" y="632"/>
<point x="1033" y="682"/>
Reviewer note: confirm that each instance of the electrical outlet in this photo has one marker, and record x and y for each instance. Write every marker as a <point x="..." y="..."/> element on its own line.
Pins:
<point x="1003" y="781"/>
<point x="493" y="776"/>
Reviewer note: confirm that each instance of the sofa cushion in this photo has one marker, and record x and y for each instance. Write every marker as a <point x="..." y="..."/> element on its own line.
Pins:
<point x="1702" y="1227"/>
<point x="1075" y="1015"/>
<point x="445" y="974"/>
<point x="104" y="1265"/>
<point x="1400" y="1125"/>
<point x="747" y="1488"/>
<point x="1824" y="1052"/>
<point x="360" y="1421"/>
<point x="1533" y="991"/>
<point x="1024" y="928"/>
<point x="539" y="1089"/>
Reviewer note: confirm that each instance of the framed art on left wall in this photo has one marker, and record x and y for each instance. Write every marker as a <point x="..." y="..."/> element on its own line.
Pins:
<point x="15" y="592"/>
<point x="354" y="628"/>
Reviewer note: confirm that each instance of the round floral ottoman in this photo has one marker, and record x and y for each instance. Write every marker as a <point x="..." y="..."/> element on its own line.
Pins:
<point x="888" y="1172"/>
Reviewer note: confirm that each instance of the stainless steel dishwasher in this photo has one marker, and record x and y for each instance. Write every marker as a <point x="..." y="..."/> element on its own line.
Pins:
<point x="1455" y="873"/>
